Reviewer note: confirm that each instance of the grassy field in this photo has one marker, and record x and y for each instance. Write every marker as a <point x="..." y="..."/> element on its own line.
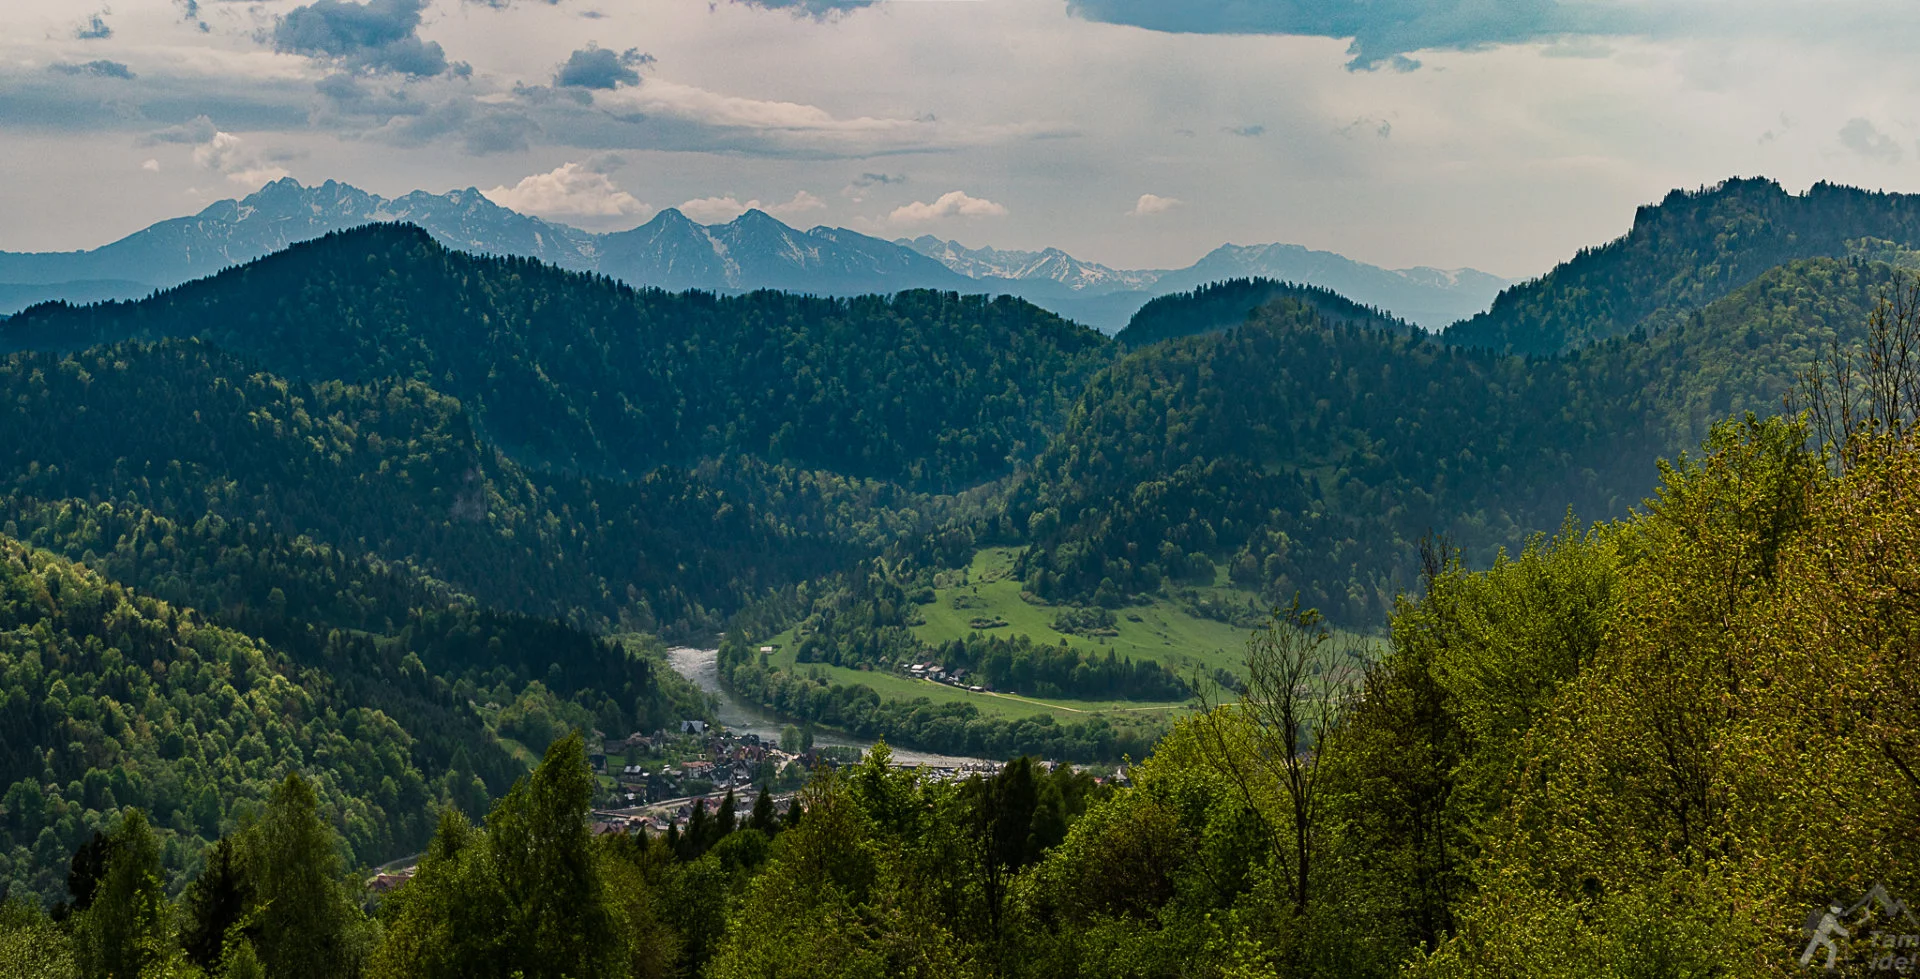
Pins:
<point x="1159" y="631"/>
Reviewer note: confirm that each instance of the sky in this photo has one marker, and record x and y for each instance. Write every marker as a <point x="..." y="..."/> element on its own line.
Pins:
<point x="1495" y="134"/>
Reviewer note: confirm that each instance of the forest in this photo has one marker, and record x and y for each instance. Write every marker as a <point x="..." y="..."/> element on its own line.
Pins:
<point x="1591" y="758"/>
<point x="1686" y="252"/>
<point x="1584" y="657"/>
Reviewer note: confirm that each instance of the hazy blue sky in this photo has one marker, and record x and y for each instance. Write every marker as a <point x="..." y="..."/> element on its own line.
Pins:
<point x="1499" y="134"/>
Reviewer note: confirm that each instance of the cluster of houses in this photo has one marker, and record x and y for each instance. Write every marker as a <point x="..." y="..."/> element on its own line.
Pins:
<point x="699" y="765"/>
<point x="697" y="760"/>
<point x="940" y="674"/>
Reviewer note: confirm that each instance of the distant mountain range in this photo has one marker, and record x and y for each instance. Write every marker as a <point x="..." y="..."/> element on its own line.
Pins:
<point x="754" y="251"/>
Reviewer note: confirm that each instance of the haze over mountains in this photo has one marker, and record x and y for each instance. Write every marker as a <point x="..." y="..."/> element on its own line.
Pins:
<point x="754" y="251"/>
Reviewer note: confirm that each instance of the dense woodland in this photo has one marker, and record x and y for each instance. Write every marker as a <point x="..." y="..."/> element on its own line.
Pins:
<point x="1303" y="455"/>
<point x="1592" y="758"/>
<point x="933" y="390"/>
<point x="297" y="564"/>
<point x="1684" y="253"/>
<point x="1224" y="305"/>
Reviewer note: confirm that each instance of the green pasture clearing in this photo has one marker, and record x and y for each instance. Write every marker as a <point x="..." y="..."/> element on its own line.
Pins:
<point x="1160" y="630"/>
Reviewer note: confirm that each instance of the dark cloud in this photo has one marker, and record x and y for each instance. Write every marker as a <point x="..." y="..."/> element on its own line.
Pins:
<point x="601" y="68"/>
<point x="816" y="9"/>
<point x="98" y="69"/>
<point x="191" y="14"/>
<point x="197" y="130"/>
<point x="377" y="35"/>
<point x="481" y="129"/>
<point x="1866" y="139"/>
<point x="871" y="179"/>
<point x="1382" y="32"/>
<point x="95" y="29"/>
<point x="1247" y="131"/>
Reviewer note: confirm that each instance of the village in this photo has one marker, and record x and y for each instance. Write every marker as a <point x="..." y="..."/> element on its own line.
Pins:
<point x="650" y="783"/>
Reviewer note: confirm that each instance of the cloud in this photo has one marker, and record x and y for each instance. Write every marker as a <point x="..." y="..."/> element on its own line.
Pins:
<point x="190" y="12"/>
<point x="1247" y="131"/>
<point x="719" y="210"/>
<point x="482" y="128"/>
<point x="151" y="166"/>
<point x="600" y="68"/>
<point x="802" y="203"/>
<point x="1383" y="32"/>
<point x="231" y="157"/>
<point x="196" y="130"/>
<point x="98" y="69"/>
<point x="1866" y="139"/>
<point x="716" y="210"/>
<point x="573" y="190"/>
<point x="377" y="36"/>
<point x="816" y="9"/>
<point x="1379" y="128"/>
<point x="95" y="29"/>
<point x="953" y="203"/>
<point x="873" y="179"/>
<point x="1151" y="204"/>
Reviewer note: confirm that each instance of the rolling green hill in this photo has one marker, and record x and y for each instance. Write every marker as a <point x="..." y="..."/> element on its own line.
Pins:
<point x="1311" y="456"/>
<point x="575" y="371"/>
<point x="1224" y="305"/>
<point x="1684" y="253"/>
<point x="391" y="471"/>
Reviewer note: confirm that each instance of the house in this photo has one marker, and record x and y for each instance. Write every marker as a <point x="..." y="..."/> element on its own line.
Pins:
<point x="693" y="727"/>
<point x="383" y="882"/>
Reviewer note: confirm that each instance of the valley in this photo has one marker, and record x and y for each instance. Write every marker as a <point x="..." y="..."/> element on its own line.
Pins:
<point x="378" y="528"/>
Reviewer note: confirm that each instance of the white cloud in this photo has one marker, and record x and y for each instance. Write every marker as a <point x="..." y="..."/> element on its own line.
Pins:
<point x="1866" y="139"/>
<point x="719" y="210"/>
<point x="716" y="210"/>
<point x="802" y="203"/>
<point x="714" y="108"/>
<point x="1151" y="204"/>
<point x="151" y="166"/>
<point x="953" y="203"/>
<point x="572" y="190"/>
<point x="229" y="156"/>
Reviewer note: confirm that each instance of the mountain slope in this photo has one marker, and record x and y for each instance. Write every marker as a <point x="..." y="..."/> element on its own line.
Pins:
<point x="111" y="699"/>
<point x="1224" y="305"/>
<point x="930" y="389"/>
<point x="393" y="471"/>
<point x="754" y="251"/>
<point x="1428" y="297"/>
<point x="1107" y="298"/>
<point x="1687" y="251"/>
<point x="1048" y="265"/>
<point x="282" y="213"/>
<point x="1309" y="454"/>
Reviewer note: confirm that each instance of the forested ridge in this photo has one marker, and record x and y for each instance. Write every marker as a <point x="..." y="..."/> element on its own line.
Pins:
<point x="933" y="390"/>
<point x="390" y="470"/>
<point x="1595" y="757"/>
<point x="1684" y="253"/>
<point x="284" y="592"/>
<point x="1223" y="305"/>
<point x="1307" y="455"/>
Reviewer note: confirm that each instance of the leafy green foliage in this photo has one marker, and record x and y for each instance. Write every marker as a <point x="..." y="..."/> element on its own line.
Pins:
<point x="1309" y="456"/>
<point x="387" y="471"/>
<point x="1683" y="254"/>
<point x="1224" y="305"/>
<point x="579" y="372"/>
<point x="110" y="700"/>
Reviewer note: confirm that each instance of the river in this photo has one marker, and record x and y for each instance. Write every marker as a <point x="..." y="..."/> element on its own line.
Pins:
<point x="702" y="666"/>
